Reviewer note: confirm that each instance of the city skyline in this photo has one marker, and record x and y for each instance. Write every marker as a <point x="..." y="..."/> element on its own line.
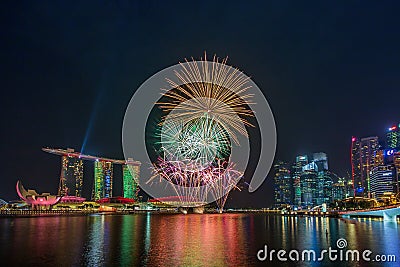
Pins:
<point x="200" y="133"/>
<point x="375" y="173"/>
<point x="78" y="75"/>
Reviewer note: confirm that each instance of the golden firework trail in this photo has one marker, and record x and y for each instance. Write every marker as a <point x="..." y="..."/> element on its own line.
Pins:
<point x="210" y="88"/>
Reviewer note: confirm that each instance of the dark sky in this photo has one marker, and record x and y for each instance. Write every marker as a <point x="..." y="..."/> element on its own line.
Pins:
<point x="329" y="69"/>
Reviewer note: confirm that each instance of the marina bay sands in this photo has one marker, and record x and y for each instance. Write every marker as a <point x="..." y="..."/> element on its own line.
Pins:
<point x="72" y="174"/>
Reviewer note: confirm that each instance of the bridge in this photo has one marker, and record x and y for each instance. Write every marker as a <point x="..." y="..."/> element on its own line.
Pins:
<point x="388" y="213"/>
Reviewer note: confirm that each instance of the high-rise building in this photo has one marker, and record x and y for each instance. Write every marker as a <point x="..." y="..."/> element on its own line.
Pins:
<point x="396" y="162"/>
<point x="130" y="180"/>
<point x="283" y="184"/>
<point x="382" y="180"/>
<point x="393" y="137"/>
<point x="324" y="179"/>
<point x="363" y="153"/>
<point x="108" y="178"/>
<point x="308" y="185"/>
<point x="71" y="178"/>
<point x="339" y="190"/>
<point x="321" y="159"/>
<point x="297" y="170"/>
<point x="379" y="158"/>
<point x="314" y="179"/>
<point x="103" y="176"/>
<point x="98" y="191"/>
<point x="324" y="187"/>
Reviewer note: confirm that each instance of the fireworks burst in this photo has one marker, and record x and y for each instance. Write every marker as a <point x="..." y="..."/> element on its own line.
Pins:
<point x="195" y="187"/>
<point x="211" y="89"/>
<point x="197" y="143"/>
<point x="205" y="109"/>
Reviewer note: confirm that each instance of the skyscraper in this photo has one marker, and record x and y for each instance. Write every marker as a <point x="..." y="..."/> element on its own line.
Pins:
<point x="324" y="179"/>
<point x="297" y="170"/>
<point x="130" y="177"/>
<point x="308" y="185"/>
<point x="71" y="178"/>
<point x="355" y="158"/>
<point x="103" y="176"/>
<point x="283" y="186"/>
<point x="382" y="180"/>
<point x="321" y="159"/>
<point x="98" y="191"/>
<point x="339" y="190"/>
<point x="325" y="187"/>
<point x="342" y="187"/>
<point x="363" y="153"/>
<point x="396" y="162"/>
<point x="393" y="137"/>
<point x="108" y="178"/>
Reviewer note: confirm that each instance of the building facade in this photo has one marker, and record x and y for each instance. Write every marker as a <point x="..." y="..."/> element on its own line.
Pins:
<point x="103" y="180"/>
<point x="71" y="178"/>
<point x="283" y="185"/>
<point x="393" y="137"/>
<point x="130" y="175"/>
<point x="383" y="180"/>
<point x="297" y="170"/>
<point x="363" y="153"/>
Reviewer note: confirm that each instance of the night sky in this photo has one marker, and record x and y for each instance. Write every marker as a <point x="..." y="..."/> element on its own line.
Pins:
<point x="329" y="71"/>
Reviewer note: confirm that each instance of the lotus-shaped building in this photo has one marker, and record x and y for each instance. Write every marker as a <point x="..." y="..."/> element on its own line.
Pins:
<point x="37" y="201"/>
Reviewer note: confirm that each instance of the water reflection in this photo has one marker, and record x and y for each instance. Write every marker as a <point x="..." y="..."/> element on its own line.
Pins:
<point x="184" y="240"/>
<point x="94" y="250"/>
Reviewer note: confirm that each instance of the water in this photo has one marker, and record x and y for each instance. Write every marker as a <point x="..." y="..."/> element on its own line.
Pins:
<point x="185" y="240"/>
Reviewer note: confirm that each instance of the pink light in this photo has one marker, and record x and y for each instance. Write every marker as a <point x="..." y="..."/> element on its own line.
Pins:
<point x="392" y="128"/>
<point x="353" y="139"/>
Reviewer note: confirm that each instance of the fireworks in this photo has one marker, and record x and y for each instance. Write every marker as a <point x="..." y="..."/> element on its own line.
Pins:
<point x="203" y="113"/>
<point x="197" y="143"/>
<point x="198" y="186"/>
<point x="210" y="89"/>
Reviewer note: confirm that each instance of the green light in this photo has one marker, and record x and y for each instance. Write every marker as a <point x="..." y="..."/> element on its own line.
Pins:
<point x="98" y="180"/>
<point x="130" y="177"/>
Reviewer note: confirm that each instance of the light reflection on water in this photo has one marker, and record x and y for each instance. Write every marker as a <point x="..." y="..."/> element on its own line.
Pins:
<point x="184" y="240"/>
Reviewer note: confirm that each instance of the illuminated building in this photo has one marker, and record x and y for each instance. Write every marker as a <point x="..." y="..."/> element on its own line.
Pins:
<point x="356" y="167"/>
<point x="121" y="200"/>
<point x="98" y="191"/>
<point x="343" y="188"/>
<point x="321" y="159"/>
<point x="324" y="180"/>
<point x="71" y="178"/>
<point x="108" y="178"/>
<point x="72" y="199"/>
<point x="363" y="153"/>
<point x="393" y="137"/>
<point x="103" y="176"/>
<point x="379" y="158"/>
<point x="382" y="180"/>
<point x="396" y="162"/>
<point x="324" y="187"/>
<point x="297" y="170"/>
<point x="283" y="184"/>
<point x="316" y="182"/>
<point x="338" y="191"/>
<point x="308" y="185"/>
<point x="37" y="201"/>
<point x="130" y="177"/>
